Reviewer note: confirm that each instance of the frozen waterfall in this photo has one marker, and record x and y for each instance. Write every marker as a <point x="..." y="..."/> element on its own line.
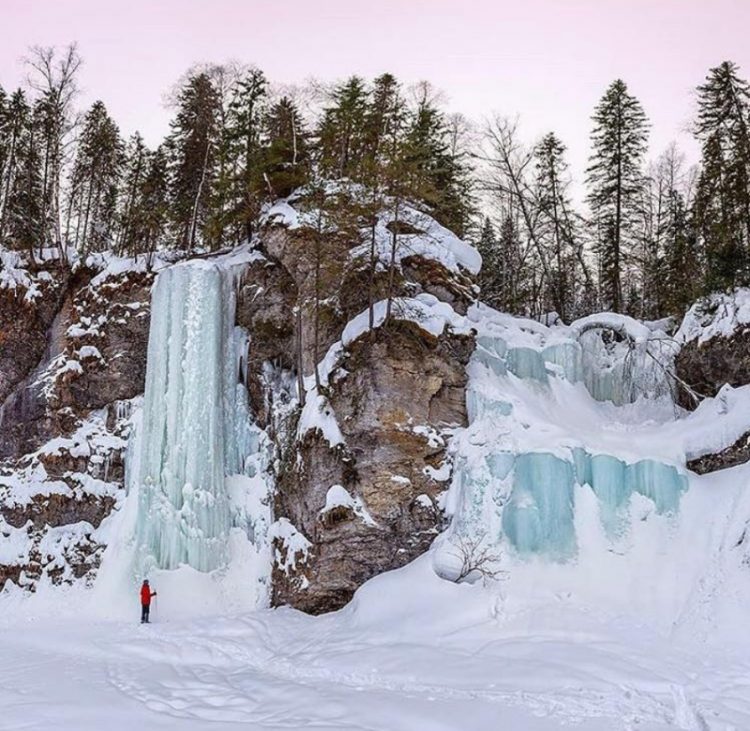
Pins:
<point x="196" y="427"/>
<point x="548" y="417"/>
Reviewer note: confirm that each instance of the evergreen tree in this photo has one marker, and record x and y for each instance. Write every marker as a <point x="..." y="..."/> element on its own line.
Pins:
<point x="152" y="207"/>
<point x="383" y="121"/>
<point x="516" y="289"/>
<point x="680" y="286"/>
<point x="134" y="172"/>
<point x="491" y="281"/>
<point x="95" y="180"/>
<point x="5" y="129"/>
<point x="287" y="155"/>
<point x="615" y="180"/>
<point x="246" y="149"/>
<point x="192" y="147"/>
<point x="24" y="226"/>
<point x="556" y="223"/>
<point x="439" y="174"/>
<point x="722" y="202"/>
<point x="15" y="126"/>
<point x="341" y="133"/>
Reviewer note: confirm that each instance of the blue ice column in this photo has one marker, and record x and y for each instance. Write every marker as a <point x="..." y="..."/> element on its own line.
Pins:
<point x="569" y="357"/>
<point x="196" y="424"/>
<point x="659" y="482"/>
<point x="527" y="364"/>
<point x="539" y="519"/>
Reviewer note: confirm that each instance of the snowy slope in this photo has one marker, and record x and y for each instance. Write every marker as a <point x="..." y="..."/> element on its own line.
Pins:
<point x="443" y="657"/>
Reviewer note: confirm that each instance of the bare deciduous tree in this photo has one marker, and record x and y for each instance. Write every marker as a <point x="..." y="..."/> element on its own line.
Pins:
<point x="53" y="77"/>
<point x="477" y="557"/>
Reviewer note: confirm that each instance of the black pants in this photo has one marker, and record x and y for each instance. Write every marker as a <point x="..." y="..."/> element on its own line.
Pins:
<point x="144" y="612"/>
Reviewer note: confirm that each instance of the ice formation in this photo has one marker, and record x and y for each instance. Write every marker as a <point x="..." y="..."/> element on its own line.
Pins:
<point x="196" y="428"/>
<point x="538" y="435"/>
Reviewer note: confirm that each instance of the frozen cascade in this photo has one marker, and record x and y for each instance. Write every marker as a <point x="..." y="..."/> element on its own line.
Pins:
<point x="538" y="519"/>
<point x="196" y="428"/>
<point x="524" y="498"/>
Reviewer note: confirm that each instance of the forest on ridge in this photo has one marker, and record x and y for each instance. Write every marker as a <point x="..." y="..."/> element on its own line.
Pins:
<point x="653" y="235"/>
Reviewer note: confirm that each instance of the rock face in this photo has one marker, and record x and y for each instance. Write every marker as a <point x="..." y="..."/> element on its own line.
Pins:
<point x="24" y="322"/>
<point x="359" y="478"/>
<point x="707" y="366"/>
<point x="737" y="453"/>
<point x="402" y="394"/>
<point x="715" y="335"/>
<point x="715" y="338"/>
<point x="71" y="364"/>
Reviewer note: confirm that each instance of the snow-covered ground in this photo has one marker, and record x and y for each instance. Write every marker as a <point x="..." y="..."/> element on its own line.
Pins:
<point x="443" y="657"/>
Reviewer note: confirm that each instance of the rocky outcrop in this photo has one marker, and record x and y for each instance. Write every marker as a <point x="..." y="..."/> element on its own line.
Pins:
<point x="362" y="468"/>
<point x="401" y="395"/>
<point x="64" y="420"/>
<point x="735" y="454"/>
<point x="26" y="315"/>
<point x="359" y="471"/>
<point x="707" y="366"/>
<point x="715" y="339"/>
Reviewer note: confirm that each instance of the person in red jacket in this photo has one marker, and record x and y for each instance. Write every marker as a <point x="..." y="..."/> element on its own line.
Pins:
<point x="146" y="595"/>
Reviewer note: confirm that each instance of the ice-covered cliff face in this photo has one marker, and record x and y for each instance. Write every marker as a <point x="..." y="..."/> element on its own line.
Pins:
<point x="196" y="426"/>
<point x="576" y="451"/>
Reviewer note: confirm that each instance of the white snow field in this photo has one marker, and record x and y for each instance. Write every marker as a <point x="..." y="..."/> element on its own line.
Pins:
<point x="622" y="591"/>
<point x="411" y="653"/>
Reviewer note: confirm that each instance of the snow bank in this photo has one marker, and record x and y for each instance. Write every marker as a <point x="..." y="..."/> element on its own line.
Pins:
<point x="719" y="315"/>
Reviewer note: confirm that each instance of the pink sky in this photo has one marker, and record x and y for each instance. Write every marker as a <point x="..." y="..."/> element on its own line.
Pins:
<point x="546" y="60"/>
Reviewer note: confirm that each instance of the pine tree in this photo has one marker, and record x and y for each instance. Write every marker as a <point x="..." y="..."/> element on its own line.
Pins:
<point x="95" y="180"/>
<point x="491" y="281"/>
<point x="152" y="209"/>
<point x="722" y="202"/>
<point x="24" y="226"/>
<point x="5" y="135"/>
<point x="287" y="155"/>
<point x="341" y="133"/>
<point x="680" y="286"/>
<point x="615" y="179"/>
<point x="192" y="146"/>
<point x="556" y="223"/>
<point x="17" y="121"/>
<point x="134" y="171"/>
<point x="383" y="120"/>
<point x="246" y="150"/>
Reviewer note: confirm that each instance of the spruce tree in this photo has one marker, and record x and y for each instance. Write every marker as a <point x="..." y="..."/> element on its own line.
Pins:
<point x="287" y="153"/>
<point x="722" y="201"/>
<point x="246" y="150"/>
<point x="5" y="128"/>
<point x="341" y="133"/>
<point x="615" y="179"/>
<point x="95" y="180"/>
<point x="152" y="207"/>
<point x="24" y="226"/>
<point x="17" y="121"/>
<point x="134" y="171"/>
<point x="556" y="223"/>
<point x="680" y="286"/>
<point x="192" y="146"/>
<point x="490" y="278"/>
